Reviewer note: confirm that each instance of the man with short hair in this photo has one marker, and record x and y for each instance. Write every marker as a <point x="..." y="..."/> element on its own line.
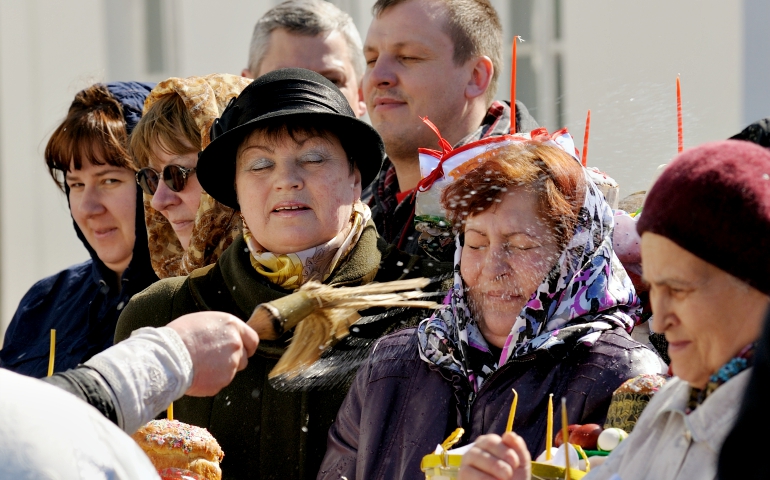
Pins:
<point x="434" y="58"/>
<point x="311" y="34"/>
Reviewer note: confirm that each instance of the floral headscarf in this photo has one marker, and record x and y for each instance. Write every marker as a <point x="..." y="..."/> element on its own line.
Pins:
<point x="292" y="270"/>
<point x="216" y="226"/>
<point x="586" y="293"/>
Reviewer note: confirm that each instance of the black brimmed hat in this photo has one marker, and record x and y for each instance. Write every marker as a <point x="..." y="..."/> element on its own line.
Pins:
<point x="285" y="95"/>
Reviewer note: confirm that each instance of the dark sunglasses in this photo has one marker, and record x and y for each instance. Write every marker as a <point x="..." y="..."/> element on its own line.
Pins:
<point x="174" y="176"/>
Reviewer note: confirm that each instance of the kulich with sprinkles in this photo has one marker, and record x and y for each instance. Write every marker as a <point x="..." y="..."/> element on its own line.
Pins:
<point x="173" y="444"/>
<point x="629" y="400"/>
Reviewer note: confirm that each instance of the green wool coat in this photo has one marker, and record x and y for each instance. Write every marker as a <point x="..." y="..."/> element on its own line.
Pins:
<point x="265" y="433"/>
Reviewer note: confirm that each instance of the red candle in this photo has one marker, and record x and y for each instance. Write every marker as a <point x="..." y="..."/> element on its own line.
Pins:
<point x="680" y="137"/>
<point x="585" y="139"/>
<point x="513" y="86"/>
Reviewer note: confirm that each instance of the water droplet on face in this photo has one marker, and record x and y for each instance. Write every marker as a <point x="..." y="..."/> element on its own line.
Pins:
<point x="765" y="176"/>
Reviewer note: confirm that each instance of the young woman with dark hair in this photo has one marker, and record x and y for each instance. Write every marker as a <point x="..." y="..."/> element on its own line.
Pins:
<point x="87" y="156"/>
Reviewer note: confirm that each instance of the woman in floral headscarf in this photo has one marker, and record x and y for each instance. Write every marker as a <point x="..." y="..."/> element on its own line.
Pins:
<point x="187" y="228"/>
<point x="540" y="303"/>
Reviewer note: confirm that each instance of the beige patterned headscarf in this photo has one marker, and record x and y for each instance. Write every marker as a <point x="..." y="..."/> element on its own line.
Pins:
<point x="216" y="226"/>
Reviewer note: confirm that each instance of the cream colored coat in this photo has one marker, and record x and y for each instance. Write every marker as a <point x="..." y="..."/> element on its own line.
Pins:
<point x="666" y="444"/>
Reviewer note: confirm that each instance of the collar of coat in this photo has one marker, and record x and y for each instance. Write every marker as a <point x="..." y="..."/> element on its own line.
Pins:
<point x="712" y="420"/>
<point x="232" y="285"/>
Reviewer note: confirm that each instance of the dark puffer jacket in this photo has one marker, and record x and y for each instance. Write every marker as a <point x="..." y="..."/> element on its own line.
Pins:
<point x="84" y="301"/>
<point x="400" y="407"/>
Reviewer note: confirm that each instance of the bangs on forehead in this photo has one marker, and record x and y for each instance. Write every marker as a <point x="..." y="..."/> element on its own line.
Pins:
<point x="167" y="126"/>
<point x="92" y="138"/>
<point x="275" y="133"/>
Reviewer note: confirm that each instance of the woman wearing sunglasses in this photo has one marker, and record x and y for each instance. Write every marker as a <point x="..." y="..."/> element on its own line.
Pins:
<point x="187" y="228"/>
<point x="87" y="156"/>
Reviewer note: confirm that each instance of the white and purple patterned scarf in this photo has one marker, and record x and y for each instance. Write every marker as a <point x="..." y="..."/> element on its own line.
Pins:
<point x="586" y="293"/>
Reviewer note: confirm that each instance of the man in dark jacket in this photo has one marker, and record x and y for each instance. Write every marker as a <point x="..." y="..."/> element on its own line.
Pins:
<point x="429" y="59"/>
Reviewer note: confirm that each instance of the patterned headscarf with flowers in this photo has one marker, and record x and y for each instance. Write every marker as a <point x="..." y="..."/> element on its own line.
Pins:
<point x="586" y="292"/>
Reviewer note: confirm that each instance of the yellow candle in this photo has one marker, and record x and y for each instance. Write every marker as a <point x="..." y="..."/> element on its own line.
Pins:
<point x="170" y="411"/>
<point x="549" y="429"/>
<point x="512" y="413"/>
<point x="52" y="352"/>
<point x="565" y="434"/>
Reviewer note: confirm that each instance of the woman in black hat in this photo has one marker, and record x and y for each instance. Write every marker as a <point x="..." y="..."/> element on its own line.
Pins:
<point x="290" y="155"/>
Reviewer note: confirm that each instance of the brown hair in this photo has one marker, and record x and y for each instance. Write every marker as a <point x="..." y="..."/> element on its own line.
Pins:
<point x="275" y="130"/>
<point x="167" y="124"/>
<point x="475" y="29"/>
<point x="94" y="131"/>
<point x="554" y="175"/>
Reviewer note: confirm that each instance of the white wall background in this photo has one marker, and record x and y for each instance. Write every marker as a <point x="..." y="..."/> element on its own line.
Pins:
<point x="620" y="60"/>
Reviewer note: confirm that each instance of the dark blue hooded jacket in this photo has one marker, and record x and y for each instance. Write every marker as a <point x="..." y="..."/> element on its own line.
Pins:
<point x="82" y="302"/>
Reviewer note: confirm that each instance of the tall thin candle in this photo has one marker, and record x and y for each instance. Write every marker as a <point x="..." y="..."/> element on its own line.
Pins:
<point x="565" y="433"/>
<point x="512" y="413"/>
<point x="680" y="136"/>
<point x="585" y="139"/>
<point x="170" y="411"/>
<point x="513" y="84"/>
<point x="52" y="352"/>
<point x="549" y="429"/>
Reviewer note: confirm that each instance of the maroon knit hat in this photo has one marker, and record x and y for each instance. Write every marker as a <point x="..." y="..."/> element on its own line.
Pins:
<point x="714" y="201"/>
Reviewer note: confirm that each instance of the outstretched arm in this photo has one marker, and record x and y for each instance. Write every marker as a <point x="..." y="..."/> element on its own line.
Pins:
<point x="132" y="382"/>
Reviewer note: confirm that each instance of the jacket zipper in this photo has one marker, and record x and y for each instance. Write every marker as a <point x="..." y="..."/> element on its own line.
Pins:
<point x="451" y="378"/>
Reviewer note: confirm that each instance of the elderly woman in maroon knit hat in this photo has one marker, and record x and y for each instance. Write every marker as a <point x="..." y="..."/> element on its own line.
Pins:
<point x="705" y="242"/>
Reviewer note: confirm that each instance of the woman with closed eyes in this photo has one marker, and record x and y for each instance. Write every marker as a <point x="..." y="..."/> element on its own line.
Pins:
<point x="290" y="156"/>
<point x="540" y="303"/>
